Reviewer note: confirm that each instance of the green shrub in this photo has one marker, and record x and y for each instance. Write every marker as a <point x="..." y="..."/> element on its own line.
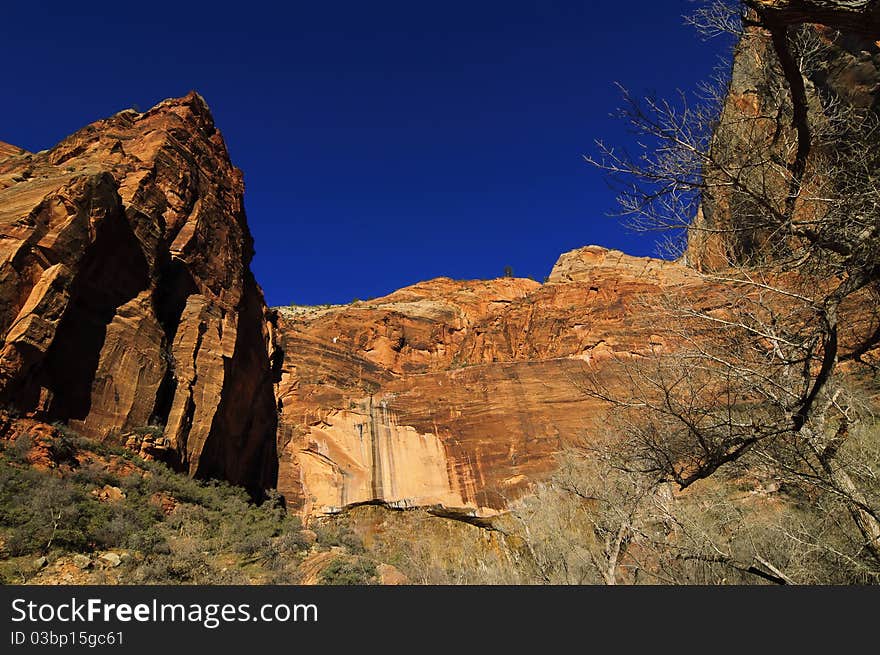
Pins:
<point x="63" y="449"/>
<point x="17" y="451"/>
<point x="43" y="511"/>
<point x="175" y="567"/>
<point x="155" y="430"/>
<point x="149" y="541"/>
<point x="347" y="571"/>
<point x="336" y="532"/>
<point x="94" y="474"/>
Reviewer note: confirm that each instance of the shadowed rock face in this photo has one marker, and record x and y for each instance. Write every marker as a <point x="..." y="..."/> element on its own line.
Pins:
<point x="126" y="297"/>
<point x="860" y="17"/>
<point x="459" y="393"/>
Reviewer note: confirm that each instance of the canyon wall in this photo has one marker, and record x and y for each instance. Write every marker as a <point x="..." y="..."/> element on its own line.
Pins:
<point x="128" y="309"/>
<point x="755" y="140"/>
<point x="459" y="394"/>
<point x="127" y="305"/>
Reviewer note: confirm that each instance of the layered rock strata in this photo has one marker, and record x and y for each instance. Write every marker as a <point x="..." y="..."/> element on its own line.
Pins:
<point x="459" y="394"/>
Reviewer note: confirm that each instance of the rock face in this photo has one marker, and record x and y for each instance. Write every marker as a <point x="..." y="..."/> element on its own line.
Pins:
<point x="129" y="311"/>
<point x="756" y="136"/>
<point x="126" y="297"/>
<point x="458" y="393"/>
<point x="7" y="151"/>
<point x="855" y="16"/>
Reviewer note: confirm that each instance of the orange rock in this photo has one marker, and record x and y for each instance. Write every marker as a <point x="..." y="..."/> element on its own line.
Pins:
<point x="109" y="494"/>
<point x="126" y="297"/>
<point x="7" y="151"/>
<point x="165" y="502"/>
<point x="390" y="575"/>
<point x="38" y="438"/>
<point x="458" y="394"/>
<point x="756" y="128"/>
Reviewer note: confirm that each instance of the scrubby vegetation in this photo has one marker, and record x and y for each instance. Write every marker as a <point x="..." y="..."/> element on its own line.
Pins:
<point x="600" y="520"/>
<point x="348" y="571"/>
<point x="429" y="549"/>
<point x="166" y="527"/>
<point x="597" y="520"/>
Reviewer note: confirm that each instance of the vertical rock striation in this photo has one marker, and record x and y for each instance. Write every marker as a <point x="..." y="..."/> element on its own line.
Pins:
<point x="126" y="296"/>
<point x="756" y="137"/>
<point x="459" y="394"/>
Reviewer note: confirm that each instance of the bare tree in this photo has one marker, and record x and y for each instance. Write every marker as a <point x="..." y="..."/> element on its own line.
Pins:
<point x="756" y="380"/>
<point x="598" y="521"/>
<point x="592" y="522"/>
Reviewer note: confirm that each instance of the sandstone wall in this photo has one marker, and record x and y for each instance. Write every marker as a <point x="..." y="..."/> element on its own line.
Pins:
<point x="126" y="297"/>
<point x="459" y="393"/>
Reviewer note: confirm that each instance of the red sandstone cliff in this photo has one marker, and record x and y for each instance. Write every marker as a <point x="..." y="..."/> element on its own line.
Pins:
<point x="126" y="300"/>
<point x="126" y="297"/>
<point x="459" y="393"/>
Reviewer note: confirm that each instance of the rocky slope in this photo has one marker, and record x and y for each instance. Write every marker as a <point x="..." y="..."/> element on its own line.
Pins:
<point x="126" y="298"/>
<point x="7" y="151"/>
<point x="78" y="511"/>
<point x="458" y="394"/>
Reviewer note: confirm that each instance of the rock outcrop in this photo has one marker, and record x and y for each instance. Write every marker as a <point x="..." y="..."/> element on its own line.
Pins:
<point x="129" y="312"/>
<point x="7" y="151"/>
<point x="756" y="139"/>
<point x="459" y="394"/>
<point x="855" y="16"/>
<point x="128" y="308"/>
<point x="126" y="297"/>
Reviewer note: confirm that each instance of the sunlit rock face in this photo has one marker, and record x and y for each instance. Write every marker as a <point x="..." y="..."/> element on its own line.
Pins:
<point x="126" y="297"/>
<point x="126" y="301"/>
<point x="755" y="139"/>
<point x="459" y="393"/>
<point x="860" y="17"/>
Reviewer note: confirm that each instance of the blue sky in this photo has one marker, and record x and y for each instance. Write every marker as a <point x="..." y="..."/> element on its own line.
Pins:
<point x="382" y="143"/>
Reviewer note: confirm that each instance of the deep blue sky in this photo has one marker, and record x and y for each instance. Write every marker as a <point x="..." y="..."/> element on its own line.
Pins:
<point x="382" y="142"/>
